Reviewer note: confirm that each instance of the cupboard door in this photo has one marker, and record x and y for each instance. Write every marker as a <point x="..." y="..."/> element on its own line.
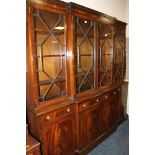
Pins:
<point x="109" y="110"/>
<point x="105" y="112"/>
<point x="58" y="138"/>
<point x="49" y="44"/>
<point x="84" y="54"/>
<point x="121" y="107"/>
<point x="105" y="60"/>
<point x="114" y="108"/>
<point x="89" y="125"/>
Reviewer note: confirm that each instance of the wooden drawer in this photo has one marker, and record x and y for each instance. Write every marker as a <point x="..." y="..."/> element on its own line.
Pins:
<point x="55" y="115"/>
<point x="109" y="95"/>
<point x="32" y="146"/>
<point x="88" y="104"/>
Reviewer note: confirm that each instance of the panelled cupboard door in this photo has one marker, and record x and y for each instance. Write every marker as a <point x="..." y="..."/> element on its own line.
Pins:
<point x="89" y="125"/>
<point x="121" y="107"/>
<point x="109" y="110"/>
<point x="58" y="138"/>
<point x="49" y="48"/>
<point x="115" y="108"/>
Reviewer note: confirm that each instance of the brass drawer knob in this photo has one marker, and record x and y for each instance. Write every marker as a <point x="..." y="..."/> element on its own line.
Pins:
<point x="84" y="105"/>
<point x="119" y="89"/>
<point x="27" y="146"/>
<point x="97" y="100"/>
<point x="48" y="118"/>
<point x="68" y="110"/>
<point x="105" y="96"/>
<point x="114" y="93"/>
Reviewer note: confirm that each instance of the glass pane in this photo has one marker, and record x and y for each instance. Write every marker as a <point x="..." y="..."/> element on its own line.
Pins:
<point x="84" y="53"/>
<point x="51" y="54"/>
<point x="105" y="54"/>
<point x="119" y="44"/>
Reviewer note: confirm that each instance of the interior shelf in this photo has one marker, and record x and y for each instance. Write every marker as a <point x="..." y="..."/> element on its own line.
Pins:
<point x="47" y="82"/>
<point x="54" y="55"/>
<point x="84" y="55"/>
<point x="45" y="32"/>
<point x="82" y="75"/>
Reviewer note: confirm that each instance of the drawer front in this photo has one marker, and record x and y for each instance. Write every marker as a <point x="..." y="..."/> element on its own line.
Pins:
<point x="88" y="104"/>
<point x="109" y="95"/>
<point x="54" y="115"/>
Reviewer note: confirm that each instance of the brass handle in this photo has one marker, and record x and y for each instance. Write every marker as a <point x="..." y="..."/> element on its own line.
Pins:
<point x="68" y="110"/>
<point x="106" y="97"/>
<point x="119" y="89"/>
<point x="97" y="100"/>
<point x="114" y="93"/>
<point x="27" y="146"/>
<point x="48" y="118"/>
<point x="84" y="105"/>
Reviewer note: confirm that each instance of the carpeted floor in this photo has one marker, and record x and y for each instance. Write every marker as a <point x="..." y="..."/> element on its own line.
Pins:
<point x="116" y="144"/>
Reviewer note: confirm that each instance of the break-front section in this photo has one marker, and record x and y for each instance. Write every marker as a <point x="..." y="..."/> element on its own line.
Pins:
<point x="94" y="53"/>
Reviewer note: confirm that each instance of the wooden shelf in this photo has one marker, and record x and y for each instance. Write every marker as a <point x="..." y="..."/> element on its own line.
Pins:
<point x="45" y="32"/>
<point x="106" y="54"/>
<point x="84" y="55"/>
<point x="47" y="82"/>
<point x="54" y="55"/>
<point x="81" y="75"/>
<point x="101" y="37"/>
<point x="81" y="35"/>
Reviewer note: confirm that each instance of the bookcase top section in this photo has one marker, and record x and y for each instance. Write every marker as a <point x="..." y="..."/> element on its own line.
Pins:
<point x="72" y="6"/>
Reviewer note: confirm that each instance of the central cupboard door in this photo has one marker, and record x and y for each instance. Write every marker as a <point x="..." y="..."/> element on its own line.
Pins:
<point x="89" y="123"/>
<point x="84" y="51"/>
<point x="109" y="110"/>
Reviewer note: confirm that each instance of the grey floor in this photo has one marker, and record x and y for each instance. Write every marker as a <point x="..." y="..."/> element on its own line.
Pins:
<point x="116" y="144"/>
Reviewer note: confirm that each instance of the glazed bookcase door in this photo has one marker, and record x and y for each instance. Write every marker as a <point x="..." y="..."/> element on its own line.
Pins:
<point x="50" y="47"/>
<point x="84" y="54"/>
<point x="105" y="40"/>
<point x="119" y="50"/>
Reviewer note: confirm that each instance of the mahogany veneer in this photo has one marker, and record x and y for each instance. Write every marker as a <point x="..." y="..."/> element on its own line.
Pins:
<point x="75" y="69"/>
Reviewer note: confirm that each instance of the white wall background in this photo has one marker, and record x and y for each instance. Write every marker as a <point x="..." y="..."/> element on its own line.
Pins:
<point x="115" y="8"/>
